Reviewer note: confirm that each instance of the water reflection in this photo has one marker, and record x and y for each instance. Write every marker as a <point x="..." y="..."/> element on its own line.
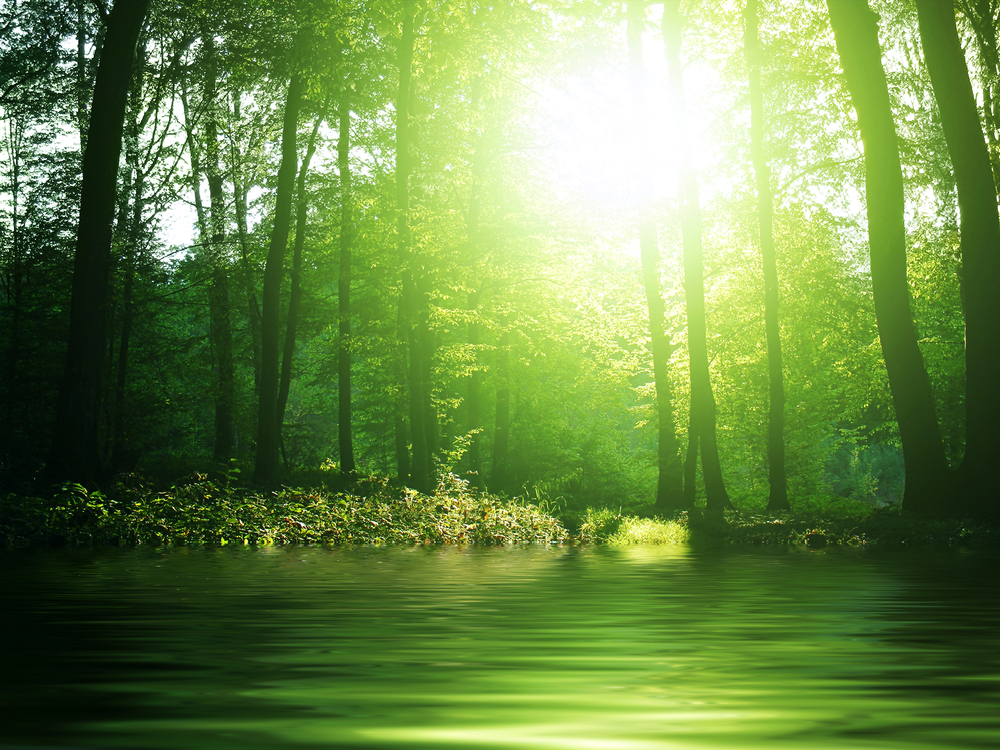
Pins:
<point x="647" y="647"/>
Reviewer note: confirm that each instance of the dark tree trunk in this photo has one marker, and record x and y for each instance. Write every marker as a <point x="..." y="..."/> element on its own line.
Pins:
<point x="240" y="190"/>
<point x="702" y="425"/>
<point x="980" y="227"/>
<point x="855" y="29"/>
<point x="400" y="427"/>
<point x="777" y="481"/>
<point x="266" y="465"/>
<point x="295" y="292"/>
<point x="501" y="430"/>
<point x="74" y="453"/>
<point x="670" y="484"/>
<point x="474" y="398"/>
<point x="218" y="293"/>
<point x="345" y="427"/>
<point x="420" y="464"/>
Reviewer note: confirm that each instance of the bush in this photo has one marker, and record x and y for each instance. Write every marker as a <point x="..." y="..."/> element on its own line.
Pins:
<point x="200" y="510"/>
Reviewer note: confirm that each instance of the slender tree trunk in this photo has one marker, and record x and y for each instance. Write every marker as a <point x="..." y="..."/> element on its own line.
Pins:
<point x="132" y="237"/>
<point x="670" y="485"/>
<point x="400" y="427"/>
<point x="218" y="293"/>
<point x="501" y="430"/>
<point x="345" y="427"/>
<point x="702" y="398"/>
<point x="980" y="227"/>
<point x="474" y="398"/>
<point x="420" y="465"/>
<point x="777" y="481"/>
<point x="266" y="466"/>
<point x="855" y="29"/>
<point x="240" y="199"/>
<point x="295" y="293"/>
<point x="74" y="453"/>
<point x="82" y="78"/>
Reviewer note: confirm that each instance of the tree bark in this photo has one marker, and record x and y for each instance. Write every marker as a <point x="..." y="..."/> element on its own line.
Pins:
<point x="474" y="397"/>
<point x="855" y="29"/>
<point x="420" y="463"/>
<point x="218" y="293"/>
<point x="266" y="465"/>
<point x="295" y="292"/>
<point x="501" y="426"/>
<point x="74" y="453"/>
<point x="345" y="417"/>
<point x="702" y="424"/>
<point x="980" y="232"/>
<point x="777" y="482"/>
<point x="240" y="190"/>
<point x="670" y="482"/>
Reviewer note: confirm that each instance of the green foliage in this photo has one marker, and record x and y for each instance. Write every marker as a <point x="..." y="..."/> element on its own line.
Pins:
<point x="200" y="510"/>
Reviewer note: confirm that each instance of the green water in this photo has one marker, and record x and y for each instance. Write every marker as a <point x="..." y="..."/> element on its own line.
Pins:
<point x="632" y="649"/>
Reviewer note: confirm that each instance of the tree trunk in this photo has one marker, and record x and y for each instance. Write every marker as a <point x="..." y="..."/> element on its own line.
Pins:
<point x="420" y="464"/>
<point x="702" y="425"/>
<point x="345" y="428"/>
<point x="240" y="190"/>
<point x="501" y="433"/>
<point x="266" y="465"/>
<point x="778" y="484"/>
<point x="295" y="293"/>
<point x="218" y="293"/>
<point x="855" y="29"/>
<point x="980" y="229"/>
<point x="474" y="398"/>
<point x="74" y="453"/>
<point x="670" y="482"/>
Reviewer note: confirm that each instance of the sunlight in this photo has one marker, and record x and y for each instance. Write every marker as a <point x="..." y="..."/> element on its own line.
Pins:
<point x="598" y="153"/>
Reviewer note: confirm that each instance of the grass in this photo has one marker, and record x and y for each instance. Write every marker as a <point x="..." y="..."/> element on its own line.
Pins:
<point x="839" y="524"/>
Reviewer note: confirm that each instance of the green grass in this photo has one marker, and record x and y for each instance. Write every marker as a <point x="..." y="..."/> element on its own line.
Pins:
<point x="840" y="523"/>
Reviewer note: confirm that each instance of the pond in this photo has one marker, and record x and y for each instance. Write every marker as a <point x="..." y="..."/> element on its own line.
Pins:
<point x="631" y="648"/>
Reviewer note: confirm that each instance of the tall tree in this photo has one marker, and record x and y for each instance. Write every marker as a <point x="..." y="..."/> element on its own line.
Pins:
<point x="218" y="293"/>
<point x="778" y="483"/>
<point x="702" y="434"/>
<point x="980" y="231"/>
<point x="420" y="463"/>
<point x="266" y="465"/>
<point x="670" y="482"/>
<point x="855" y="29"/>
<point x="295" y="290"/>
<point x="74" y="453"/>
<point x="345" y="416"/>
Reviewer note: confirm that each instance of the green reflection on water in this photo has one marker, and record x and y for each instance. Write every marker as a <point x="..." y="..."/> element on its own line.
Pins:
<point x="653" y="647"/>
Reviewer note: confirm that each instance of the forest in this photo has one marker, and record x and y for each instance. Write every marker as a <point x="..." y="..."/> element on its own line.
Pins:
<point x="656" y="255"/>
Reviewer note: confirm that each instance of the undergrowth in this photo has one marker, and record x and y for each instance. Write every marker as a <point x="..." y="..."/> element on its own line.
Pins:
<point x="200" y="510"/>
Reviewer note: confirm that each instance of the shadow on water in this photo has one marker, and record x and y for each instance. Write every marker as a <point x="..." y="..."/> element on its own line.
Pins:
<point x="645" y="647"/>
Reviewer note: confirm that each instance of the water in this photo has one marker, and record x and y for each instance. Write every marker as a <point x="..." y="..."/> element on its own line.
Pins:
<point x="631" y="649"/>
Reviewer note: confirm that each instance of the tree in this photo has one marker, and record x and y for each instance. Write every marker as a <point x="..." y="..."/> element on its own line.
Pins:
<point x="980" y="232"/>
<point x="670" y="482"/>
<point x="74" y="453"/>
<point x="701" y="430"/>
<point x="411" y="314"/>
<point x="266" y="465"/>
<point x="855" y="29"/>
<point x="345" y="416"/>
<point x="777" y="481"/>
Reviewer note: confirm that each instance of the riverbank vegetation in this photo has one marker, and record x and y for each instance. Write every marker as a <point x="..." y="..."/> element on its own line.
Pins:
<point x="724" y="260"/>
<point x="219" y="510"/>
